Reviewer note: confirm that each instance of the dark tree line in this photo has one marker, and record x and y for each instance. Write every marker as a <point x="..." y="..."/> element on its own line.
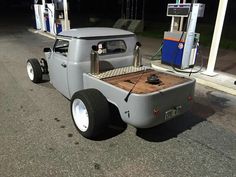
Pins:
<point x="154" y="9"/>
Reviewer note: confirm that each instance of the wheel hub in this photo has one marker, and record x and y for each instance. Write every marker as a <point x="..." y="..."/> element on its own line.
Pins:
<point x="80" y="115"/>
<point x="30" y="71"/>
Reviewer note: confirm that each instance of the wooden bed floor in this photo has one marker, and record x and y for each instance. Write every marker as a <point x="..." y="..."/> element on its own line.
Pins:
<point x="127" y="81"/>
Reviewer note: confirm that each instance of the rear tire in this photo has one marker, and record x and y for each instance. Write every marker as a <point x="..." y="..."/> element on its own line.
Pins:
<point x="34" y="70"/>
<point x="90" y="112"/>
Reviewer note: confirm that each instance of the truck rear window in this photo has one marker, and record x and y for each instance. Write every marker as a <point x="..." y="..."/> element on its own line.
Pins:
<point x="111" y="47"/>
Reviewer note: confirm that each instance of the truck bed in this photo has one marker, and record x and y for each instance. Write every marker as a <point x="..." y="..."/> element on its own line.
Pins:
<point x="127" y="81"/>
<point x="149" y="105"/>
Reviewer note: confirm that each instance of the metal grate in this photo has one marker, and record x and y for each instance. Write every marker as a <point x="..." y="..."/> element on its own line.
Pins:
<point x="118" y="72"/>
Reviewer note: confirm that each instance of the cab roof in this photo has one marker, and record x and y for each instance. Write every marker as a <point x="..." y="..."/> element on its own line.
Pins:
<point x="95" y="32"/>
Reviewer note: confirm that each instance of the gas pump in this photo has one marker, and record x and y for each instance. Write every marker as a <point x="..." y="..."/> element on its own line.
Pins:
<point x="51" y="15"/>
<point x="180" y="47"/>
<point x="39" y="9"/>
<point x="37" y="16"/>
<point x="61" y="15"/>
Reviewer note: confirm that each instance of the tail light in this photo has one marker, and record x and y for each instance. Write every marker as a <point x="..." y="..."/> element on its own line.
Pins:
<point x="190" y="98"/>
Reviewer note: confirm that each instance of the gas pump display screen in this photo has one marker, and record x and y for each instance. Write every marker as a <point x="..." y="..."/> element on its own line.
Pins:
<point x="178" y="10"/>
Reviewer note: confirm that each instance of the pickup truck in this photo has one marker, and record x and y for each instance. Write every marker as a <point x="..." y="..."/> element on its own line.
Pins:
<point x="98" y="67"/>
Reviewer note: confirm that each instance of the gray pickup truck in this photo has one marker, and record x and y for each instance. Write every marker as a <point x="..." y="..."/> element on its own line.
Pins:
<point x="98" y="67"/>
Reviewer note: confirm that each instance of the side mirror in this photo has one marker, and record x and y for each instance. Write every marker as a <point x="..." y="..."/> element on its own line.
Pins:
<point x="138" y="44"/>
<point x="95" y="48"/>
<point x="45" y="50"/>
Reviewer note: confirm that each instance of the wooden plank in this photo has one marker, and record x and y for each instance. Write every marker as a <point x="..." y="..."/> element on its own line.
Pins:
<point x="127" y="81"/>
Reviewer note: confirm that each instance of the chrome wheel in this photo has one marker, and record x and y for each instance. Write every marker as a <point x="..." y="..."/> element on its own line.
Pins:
<point x="30" y="71"/>
<point x="90" y="112"/>
<point x="80" y="115"/>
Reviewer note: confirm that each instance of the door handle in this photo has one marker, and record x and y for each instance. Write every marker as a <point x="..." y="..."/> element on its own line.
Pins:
<point x="63" y="65"/>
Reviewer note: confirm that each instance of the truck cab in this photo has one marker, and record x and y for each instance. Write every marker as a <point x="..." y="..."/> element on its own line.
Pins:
<point x="70" y="56"/>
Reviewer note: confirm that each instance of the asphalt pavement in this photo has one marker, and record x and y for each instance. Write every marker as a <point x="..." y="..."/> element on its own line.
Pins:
<point x="38" y="138"/>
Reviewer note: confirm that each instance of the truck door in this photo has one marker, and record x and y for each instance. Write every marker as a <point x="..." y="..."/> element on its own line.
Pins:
<point x="58" y="66"/>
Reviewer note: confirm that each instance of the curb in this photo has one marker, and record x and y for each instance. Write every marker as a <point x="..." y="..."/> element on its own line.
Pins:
<point x="216" y="86"/>
<point x="42" y="33"/>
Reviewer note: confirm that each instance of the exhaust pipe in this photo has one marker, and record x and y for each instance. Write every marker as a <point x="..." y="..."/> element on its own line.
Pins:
<point x="137" y="61"/>
<point x="94" y="67"/>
